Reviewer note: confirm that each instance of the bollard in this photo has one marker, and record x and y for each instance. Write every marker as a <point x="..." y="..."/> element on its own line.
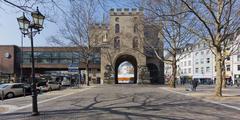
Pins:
<point x="2" y="95"/>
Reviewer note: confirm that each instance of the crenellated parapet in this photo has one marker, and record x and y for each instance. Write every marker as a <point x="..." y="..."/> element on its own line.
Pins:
<point x="100" y="26"/>
<point x="126" y="11"/>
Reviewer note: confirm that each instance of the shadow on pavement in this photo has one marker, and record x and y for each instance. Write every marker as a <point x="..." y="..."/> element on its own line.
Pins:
<point x="131" y="106"/>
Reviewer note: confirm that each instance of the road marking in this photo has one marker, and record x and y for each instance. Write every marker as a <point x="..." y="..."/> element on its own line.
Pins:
<point x="206" y="100"/>
<point x="44" y="101"/>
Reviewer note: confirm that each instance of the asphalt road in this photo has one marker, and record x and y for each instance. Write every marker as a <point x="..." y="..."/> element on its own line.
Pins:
<point x="126" y="102"/>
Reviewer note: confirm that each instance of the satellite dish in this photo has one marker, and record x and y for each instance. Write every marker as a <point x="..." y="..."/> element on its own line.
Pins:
<point x="7" y="55"/>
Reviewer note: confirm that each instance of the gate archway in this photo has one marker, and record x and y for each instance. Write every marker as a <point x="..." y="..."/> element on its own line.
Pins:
<point x="126" y="69"/>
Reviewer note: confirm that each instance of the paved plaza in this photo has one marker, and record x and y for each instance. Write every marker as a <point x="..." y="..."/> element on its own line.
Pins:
<point x="120" y="102"/>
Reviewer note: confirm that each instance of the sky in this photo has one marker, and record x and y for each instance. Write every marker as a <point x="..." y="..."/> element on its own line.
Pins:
<point x="11" y="35"/>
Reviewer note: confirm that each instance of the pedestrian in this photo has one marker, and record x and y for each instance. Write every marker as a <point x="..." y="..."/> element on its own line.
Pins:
<point x="195" y="84"/>
<point x="189" y="86"/>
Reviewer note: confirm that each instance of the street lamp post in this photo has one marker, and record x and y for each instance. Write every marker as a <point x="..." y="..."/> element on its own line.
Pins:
<point x="30" y="29"/>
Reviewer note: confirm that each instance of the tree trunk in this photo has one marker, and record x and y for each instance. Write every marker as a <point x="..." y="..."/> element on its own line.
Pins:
<point x="87" y="72"/>
<point x="174" y="74"/>
<point x="224" y="83"/>
<point x="218" y="63"/>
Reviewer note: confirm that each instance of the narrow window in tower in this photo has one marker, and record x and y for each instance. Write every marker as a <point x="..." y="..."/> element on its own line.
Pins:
<point x="104" y="38"/>
<point x="117" y="42"/>
<point x="135" y="42"/>
<point x="117" y="19"/>
<point x="135" y="28"/>
<point x="117" y="28"/>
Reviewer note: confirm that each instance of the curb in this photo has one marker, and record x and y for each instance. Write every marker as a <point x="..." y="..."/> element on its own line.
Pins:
<point x="206" y="100"/>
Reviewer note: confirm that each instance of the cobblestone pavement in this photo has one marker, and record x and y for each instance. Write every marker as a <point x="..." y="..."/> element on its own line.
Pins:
<point x="124" y="101"/>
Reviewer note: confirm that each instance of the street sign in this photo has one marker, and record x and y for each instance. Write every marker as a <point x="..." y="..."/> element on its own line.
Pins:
<point x="73" y="68"/>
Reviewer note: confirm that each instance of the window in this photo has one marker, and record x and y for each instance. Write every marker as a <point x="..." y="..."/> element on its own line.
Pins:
<point x="207" y="69"/>
<point x="202" y="52"/>
<point x="17" y="86"/>
<point x="117" y="28"/>
<point x="65" y="55"/>
<point x="238" y="67"/>
<point x="189" y="63"/>
<point x="196" y="70"/>
<point x="104" y="37"/>
<point x="208" y="60"/>
<point x="185" y="71"/>
<point x="65" y="61"/>
<point x="238" y="57"/>
<point x="204" y="45"/>
<point x="117" y="42"/>
<point x="117" y="19"/>
<point x="44" y="60"/>
<point x="196" y="53"/>
<point x="228" y="67"/>
<point x="76" y="61"/>
<point x="55" y="61"/>
<point x="189" y="70"/>
<point x="202" y="70"/>
<point x="202" y="61"/>
<point x="228" y="58"/>
<point x="135" y="42"/>
<point x="55" y="54"/>
<point x="196" y="61"/>
<point x="135" y="28"/>
<point x="185" y="63"/>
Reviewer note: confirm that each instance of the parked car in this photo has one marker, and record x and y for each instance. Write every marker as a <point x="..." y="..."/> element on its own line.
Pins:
<point x="27" y="89"/>
<point x="53" y="85"/>
<point x="47" y="86"/>
<point x="11" y="90"/>
<point x="66" y="82"/>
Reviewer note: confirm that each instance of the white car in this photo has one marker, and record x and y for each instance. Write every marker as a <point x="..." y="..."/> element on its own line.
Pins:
<point x="11" y="90"/>
<point x="48" y="86"/>
<point x="66" y="82"/>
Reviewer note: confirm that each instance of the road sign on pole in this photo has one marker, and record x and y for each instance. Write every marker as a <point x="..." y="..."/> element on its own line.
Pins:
<point x="73" y="68"/>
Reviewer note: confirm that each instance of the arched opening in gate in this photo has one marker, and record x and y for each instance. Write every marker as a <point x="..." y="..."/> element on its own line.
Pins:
<point x="154" y="73"/>
<point x="126" y="69"/>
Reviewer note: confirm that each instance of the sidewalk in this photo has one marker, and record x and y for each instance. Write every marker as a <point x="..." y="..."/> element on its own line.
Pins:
<point x="231" y="95"/>
<point x="11" y="105"/>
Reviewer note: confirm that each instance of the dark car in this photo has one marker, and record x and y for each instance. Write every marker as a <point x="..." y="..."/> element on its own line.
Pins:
<point x="27" y="89"/>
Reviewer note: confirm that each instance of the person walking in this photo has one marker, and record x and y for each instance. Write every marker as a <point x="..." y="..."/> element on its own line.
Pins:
<point x="195" y="84"/>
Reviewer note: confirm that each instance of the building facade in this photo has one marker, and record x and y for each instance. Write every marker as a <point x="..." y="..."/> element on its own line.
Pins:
<point x="198" y="62"/>
<point x="9" y="63"/>
<point x="49" y="61"/>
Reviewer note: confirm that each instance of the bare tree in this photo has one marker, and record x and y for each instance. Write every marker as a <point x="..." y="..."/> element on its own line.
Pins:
<point x="167" y="17"/>
<point x="79" y="30"/>
<point x="217" y="20"/>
